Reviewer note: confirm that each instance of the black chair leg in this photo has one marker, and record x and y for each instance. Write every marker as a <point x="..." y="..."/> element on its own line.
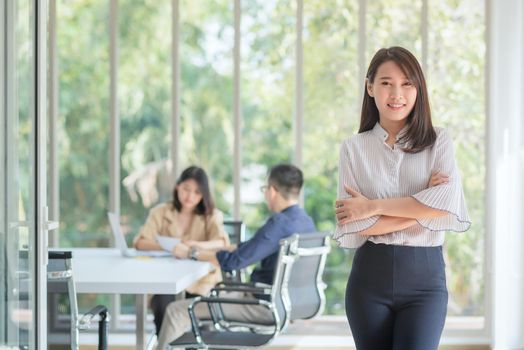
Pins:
<point x="102" y="331"/>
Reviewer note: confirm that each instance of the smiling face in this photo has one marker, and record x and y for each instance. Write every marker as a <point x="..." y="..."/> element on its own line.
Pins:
<point x="393" y="92"/>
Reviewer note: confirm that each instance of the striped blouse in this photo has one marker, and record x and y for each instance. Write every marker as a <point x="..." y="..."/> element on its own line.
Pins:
<point x="378" y="171"/>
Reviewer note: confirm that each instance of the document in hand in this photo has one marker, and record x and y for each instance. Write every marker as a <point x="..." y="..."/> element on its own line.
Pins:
<point x="167" y="243"/>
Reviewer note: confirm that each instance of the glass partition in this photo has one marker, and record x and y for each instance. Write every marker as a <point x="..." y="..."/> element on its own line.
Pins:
<point x="17" y="176"/>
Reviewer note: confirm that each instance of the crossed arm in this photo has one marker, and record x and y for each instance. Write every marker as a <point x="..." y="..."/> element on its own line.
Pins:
<point x="395" y="213"/>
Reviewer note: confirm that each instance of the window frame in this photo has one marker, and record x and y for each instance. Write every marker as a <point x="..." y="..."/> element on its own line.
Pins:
<point x="482" y="334"/>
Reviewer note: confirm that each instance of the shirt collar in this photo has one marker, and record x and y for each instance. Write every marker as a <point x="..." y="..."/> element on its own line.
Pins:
<point x="379" y="131"/>
<point x="290" y="208"/>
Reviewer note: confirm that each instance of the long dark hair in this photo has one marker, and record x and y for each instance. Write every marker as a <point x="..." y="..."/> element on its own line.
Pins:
<point x="206" y="204"/>
<point x="420" y="133"/>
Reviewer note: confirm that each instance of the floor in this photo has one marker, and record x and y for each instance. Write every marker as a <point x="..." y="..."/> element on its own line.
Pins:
<point x="329" y="334"/>
<point x="461" y="347"/>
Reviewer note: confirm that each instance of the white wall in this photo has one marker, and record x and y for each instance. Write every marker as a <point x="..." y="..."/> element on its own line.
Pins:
<point x="505" y="199"/>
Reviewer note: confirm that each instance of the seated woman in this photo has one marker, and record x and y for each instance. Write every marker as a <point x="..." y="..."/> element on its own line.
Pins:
<point x="191" y="217"/>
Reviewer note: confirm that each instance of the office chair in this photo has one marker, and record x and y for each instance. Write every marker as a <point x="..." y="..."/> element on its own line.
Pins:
<point x="236" y="232"/>
<point x="63" y="321"/>
<point x="306" y="287"/>
<point x="300" y="266"/>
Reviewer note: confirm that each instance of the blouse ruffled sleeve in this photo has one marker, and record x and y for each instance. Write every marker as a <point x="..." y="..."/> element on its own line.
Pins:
<point x="347" y="236"/>
<point x="447" y="197"/>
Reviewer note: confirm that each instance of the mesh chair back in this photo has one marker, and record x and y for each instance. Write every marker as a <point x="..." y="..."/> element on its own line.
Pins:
<point x="305" y="286"/>
<point x="236" y="233"/>
<point x="279" y="293"/>
<point x="62" y="315"/>
<point x="235" y="230"/>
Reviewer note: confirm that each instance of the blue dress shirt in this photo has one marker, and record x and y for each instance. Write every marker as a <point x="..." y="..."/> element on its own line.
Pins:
<point x="264" y="245"/>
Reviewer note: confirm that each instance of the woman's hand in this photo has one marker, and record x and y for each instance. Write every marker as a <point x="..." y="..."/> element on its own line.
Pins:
<point x="181" y="251"/>
<point x="215" y="244"/>
<point x="231" y="248"/>
<point x="438" y="178"/>
<point x="356" y="208"/>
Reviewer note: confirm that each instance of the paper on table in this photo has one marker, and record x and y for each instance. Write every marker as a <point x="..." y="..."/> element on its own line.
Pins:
<point x="167" y="243"/>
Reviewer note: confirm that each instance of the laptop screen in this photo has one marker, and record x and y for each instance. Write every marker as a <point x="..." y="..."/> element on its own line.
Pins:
<point x="114" y="222"/>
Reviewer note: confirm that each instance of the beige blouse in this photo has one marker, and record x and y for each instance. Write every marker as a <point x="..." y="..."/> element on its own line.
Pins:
<point x="162" y="221"/>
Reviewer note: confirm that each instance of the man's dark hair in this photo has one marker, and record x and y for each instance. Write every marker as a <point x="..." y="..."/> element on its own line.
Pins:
<point x="287" y="180"/>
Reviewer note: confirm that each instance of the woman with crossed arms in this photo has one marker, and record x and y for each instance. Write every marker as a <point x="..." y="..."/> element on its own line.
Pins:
<point x="396" y="296"/>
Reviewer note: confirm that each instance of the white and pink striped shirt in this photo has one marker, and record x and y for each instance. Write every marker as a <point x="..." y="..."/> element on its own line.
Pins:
<point x="378" y="171"/>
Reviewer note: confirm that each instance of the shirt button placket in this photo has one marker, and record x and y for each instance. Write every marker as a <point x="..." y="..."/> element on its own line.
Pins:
<point x="397" y="156"/>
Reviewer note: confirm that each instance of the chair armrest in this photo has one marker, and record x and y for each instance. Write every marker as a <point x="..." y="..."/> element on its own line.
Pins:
<point x="241" y="284"/>
<point x="230" y="283"/>
<point x="246" y="289"/>
<point x="215" y="309"/>
<point x="98" y="313"/>
<point x="232" y="301"/>
<point x="214" y="300"/>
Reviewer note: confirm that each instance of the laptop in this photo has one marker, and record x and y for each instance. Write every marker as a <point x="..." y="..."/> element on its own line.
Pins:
<point x="120" y="241"/>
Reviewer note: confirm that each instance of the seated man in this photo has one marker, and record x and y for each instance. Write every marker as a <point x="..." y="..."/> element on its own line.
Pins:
<point x="281" y="194"/>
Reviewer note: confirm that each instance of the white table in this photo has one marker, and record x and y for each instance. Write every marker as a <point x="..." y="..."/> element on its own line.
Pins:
<point x="106" y="271"/>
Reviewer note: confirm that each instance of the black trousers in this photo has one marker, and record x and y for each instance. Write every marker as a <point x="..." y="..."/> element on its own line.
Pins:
<point x="159" y="303"/>
<point x="396" y="297"/>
